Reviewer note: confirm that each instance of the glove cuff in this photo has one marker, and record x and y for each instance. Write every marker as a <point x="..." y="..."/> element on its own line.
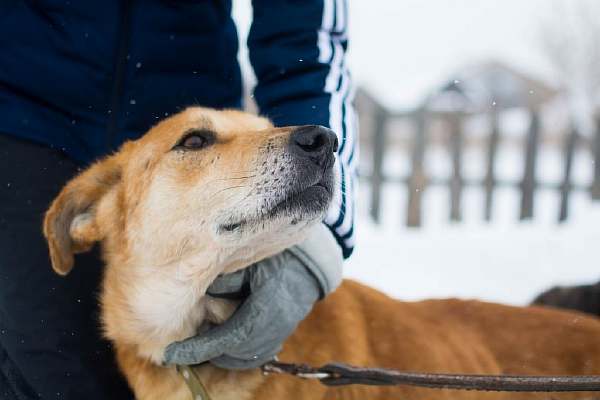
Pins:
<point x="322" y="256"/>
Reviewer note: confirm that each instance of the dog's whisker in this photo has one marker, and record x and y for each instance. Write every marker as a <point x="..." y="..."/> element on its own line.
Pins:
<point x="229" y="179"/>
<point x="229" y="188"/>
<point x="240" y="201"/>
<point x="236" y="204"/>
<point x="240" y="177"/>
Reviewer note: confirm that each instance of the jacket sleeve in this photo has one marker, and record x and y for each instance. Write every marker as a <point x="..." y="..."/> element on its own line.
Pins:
<point x="298" y="52"/>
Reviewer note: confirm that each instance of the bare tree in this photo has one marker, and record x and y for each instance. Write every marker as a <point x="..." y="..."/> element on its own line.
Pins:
<point x="570" y="38"/>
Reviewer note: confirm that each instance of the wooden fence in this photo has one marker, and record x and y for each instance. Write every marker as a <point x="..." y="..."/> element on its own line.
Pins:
<point x="417" y="180"/>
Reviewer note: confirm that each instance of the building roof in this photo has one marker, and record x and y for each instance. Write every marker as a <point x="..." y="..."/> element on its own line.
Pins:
<point x="490" y="84"/>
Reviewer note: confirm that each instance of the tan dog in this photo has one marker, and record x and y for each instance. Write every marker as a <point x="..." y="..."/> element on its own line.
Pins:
<point x="208" y="192"/>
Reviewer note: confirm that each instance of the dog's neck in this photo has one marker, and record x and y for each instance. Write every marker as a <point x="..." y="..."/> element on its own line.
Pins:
<point x="151" y="306"/>
<point x="154" y="291"/>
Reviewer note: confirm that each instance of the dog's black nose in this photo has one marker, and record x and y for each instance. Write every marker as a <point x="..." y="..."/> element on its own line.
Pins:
<point x="314" y="142"/>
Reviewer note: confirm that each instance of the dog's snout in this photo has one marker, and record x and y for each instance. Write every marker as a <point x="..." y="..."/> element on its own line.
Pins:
<point x="314" y="142"/>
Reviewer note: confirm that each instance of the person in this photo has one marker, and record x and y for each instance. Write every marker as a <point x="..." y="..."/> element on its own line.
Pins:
<point x="77" y="79"/>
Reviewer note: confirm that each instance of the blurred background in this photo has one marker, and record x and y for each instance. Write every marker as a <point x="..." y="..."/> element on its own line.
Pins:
<point x="479" y="143"/>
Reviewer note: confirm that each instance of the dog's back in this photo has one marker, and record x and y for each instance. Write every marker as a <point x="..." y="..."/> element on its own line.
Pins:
<point x="361" y="326"/>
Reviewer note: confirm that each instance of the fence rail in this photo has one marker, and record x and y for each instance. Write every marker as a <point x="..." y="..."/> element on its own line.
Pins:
<point x="417" y="181"/>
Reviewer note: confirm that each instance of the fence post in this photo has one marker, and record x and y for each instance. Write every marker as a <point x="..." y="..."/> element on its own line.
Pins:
<point x="490" y="180"/>
<point x="528" y="182"/>
<point x="596" y="148"/>
<point x="377" y="176"/>
<point x="565" y="186"/>
<point x="456" y="181"/>
<point x="416" y="181"/>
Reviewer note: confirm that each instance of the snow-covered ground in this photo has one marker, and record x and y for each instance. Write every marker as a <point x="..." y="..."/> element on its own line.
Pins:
<point x="506" y="261"/>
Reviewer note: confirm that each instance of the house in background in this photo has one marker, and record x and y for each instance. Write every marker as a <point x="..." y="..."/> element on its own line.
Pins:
<point x="491" y="84"/>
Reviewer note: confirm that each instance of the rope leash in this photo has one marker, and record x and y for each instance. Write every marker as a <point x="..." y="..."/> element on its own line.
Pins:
<point x="336" y="374"/>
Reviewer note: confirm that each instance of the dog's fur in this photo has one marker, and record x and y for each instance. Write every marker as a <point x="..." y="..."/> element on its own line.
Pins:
<point x="171" y="220"/>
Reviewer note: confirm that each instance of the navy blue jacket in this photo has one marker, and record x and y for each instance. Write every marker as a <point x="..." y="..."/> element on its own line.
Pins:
<point x="84" y="76"/>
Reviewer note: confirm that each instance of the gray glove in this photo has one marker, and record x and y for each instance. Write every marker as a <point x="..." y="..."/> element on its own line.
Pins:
<point x="282" y="290"/>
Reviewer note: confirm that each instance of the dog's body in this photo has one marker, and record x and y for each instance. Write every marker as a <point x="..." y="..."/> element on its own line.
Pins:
<point x="361" y="326"/>
<point x="208" y="192"/>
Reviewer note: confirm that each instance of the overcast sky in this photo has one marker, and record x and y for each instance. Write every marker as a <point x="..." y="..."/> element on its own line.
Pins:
<point x="400" y="49"/>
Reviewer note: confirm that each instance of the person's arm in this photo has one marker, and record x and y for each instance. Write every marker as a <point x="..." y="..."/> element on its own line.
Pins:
<point x="298" y="51"/>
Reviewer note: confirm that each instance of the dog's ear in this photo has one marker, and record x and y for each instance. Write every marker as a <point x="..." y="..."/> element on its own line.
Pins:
<point x="70" y="224"/>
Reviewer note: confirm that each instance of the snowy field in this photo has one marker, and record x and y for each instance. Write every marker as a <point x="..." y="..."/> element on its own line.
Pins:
<point x="506" y="261"/>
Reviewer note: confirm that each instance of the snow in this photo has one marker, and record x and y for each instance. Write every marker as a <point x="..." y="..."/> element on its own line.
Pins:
<point x="506" y="261"/>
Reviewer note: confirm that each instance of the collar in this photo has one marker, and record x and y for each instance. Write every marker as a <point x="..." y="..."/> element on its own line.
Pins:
<point x="193" y="382"/>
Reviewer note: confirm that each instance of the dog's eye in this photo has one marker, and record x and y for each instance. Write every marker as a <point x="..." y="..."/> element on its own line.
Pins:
<point x="196" y="140"/>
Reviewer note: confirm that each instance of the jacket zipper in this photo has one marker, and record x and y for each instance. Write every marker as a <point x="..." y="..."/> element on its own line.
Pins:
<point x="120" y="67"/>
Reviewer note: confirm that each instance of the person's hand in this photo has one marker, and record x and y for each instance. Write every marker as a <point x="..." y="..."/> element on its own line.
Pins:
<point x="282" y="290"/>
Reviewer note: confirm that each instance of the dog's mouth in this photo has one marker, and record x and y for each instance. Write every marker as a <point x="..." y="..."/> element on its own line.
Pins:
<point x="299" y="205"/>
<point x="313" y="199"/>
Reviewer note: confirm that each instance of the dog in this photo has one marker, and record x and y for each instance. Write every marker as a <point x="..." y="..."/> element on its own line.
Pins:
<point x="209" y="192"/>
<point x="584" y="298"/>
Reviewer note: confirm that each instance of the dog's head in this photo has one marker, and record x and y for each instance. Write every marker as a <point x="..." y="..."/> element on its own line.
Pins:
<point x="224" y="181"/>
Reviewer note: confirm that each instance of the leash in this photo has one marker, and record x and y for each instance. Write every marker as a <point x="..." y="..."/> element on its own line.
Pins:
<point x="337" y="374"/>
<point x="193" y="382"/>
